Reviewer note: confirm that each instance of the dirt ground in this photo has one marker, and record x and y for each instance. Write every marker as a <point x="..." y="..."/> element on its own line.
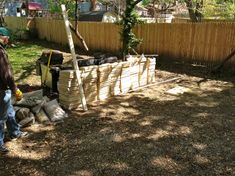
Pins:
<point x="147" y="132"/>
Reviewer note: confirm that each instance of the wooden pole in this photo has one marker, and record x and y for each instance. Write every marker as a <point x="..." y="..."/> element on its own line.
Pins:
<point x="75" y="63"/>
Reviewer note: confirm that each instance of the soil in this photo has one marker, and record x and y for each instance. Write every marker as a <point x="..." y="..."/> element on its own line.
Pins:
<point x="146" y="132"/>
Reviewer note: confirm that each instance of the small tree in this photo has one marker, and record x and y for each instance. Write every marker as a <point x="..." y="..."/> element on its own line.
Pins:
<point x="195" y="9"/>
<point x="54" y="6"/>
<point x="130" y="19"/>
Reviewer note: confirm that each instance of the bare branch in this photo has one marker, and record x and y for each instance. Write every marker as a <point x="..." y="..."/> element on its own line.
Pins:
<point x="79" y="36"/>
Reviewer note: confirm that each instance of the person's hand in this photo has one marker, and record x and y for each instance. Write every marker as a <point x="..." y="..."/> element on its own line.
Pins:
<point x="18" y="94"/>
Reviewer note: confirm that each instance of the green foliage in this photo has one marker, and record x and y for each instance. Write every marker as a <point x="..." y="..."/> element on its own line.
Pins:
<point x="146" y="2"/>
<point x="222" y="9"/>
<point x="55" y="6"/>
<point x="129" y="20"/>
<point x="20" y="33"/>
<point x="23" y="33"/>
<point x="23" y="58"/>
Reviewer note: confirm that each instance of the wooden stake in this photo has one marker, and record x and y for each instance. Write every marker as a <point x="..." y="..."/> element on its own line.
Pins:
<point x="75" y="64"/>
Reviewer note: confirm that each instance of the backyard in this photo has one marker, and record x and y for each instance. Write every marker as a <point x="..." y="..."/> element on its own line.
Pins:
<point x="146" y="132"/>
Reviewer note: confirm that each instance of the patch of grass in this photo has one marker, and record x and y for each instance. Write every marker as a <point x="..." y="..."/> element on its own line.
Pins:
<point x="23" y="60"/>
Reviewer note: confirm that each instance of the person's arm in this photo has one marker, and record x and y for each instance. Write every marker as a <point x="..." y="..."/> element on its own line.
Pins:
<point x="6" y="74"/>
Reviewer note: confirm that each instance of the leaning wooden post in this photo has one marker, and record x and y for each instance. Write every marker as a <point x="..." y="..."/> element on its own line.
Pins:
<point x="75" y="63"/>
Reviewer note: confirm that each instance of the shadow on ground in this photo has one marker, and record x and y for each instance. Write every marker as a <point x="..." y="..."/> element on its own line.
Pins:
<point x="147" y="132"/>
<point x="227" y="73"/>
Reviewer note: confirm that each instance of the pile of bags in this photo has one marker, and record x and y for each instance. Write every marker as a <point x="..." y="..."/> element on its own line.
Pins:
<point x="103" y="81"/>
<point x="69" y="95"/>
<point x="34" y="107"/>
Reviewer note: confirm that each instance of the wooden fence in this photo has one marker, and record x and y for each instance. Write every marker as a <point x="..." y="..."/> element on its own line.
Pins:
<point x="195" y="42"/>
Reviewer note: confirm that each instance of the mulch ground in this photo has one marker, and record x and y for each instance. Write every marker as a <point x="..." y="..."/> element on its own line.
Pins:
<point x="147" y="132"/>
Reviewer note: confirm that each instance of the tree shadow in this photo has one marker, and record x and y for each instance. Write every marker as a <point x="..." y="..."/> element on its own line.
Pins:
<point x="27" y="71"/>
<point x="196" y="69"/>
<point x="135" y="134"/>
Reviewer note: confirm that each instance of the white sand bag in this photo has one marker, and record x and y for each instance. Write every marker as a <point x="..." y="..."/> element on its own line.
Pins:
<point x="54" y="111"/>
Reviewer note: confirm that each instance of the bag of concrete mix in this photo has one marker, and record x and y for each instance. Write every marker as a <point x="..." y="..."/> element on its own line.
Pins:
<point x="36" y="109"/>
<point x="27" y="121"/>
<point x="22" y="113"/>
<point x="42" y="117"/>
<point x="25" y="117"/>
<point x="30" y="99"/>
<point x="54" y="111"/>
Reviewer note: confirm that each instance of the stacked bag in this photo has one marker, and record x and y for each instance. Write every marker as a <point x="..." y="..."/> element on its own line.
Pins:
<point x="134" y="71"/>
<point x="125" y="77"/>
<point x="151" y="70"/>
<point x="143" y="71"/>
<point x="115" y="86"/>
<point x="34" y="107"/>
<point x="106" y="80"/>
<point x="69" y="94"/>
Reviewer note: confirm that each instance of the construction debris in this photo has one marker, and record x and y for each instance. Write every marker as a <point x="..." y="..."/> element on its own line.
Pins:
<point x="34" y="107"/>
<point x="178" y="90"/>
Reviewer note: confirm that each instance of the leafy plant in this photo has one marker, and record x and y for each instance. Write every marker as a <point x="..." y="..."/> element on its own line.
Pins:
<point x="219" y="9"/>
<point x="55" y="8"/>
<point x="198" y="9"/>
<point x="129" y="20"/>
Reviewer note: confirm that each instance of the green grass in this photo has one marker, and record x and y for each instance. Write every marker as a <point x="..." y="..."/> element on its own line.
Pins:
<point x="23" y="60"/>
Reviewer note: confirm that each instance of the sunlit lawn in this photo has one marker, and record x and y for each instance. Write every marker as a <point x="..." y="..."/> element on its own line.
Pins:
<point x="23" y="58"/>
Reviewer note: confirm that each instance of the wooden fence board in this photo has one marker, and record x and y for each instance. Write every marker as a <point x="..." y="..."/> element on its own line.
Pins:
<point x="196" y="42"/>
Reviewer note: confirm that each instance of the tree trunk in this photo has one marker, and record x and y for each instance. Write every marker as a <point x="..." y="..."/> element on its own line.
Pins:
<point x="129" y="21"/>
<point x="93" y="5"/>
<point x="191" y="12"/>
<point x="198" y="12"/>
<point x="2" y="6"/>
<point x="76" y="15"/>
<point x="27" y="8"/>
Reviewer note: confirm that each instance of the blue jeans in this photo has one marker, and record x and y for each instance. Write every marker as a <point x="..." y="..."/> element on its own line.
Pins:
<point x="7" y="115"/>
